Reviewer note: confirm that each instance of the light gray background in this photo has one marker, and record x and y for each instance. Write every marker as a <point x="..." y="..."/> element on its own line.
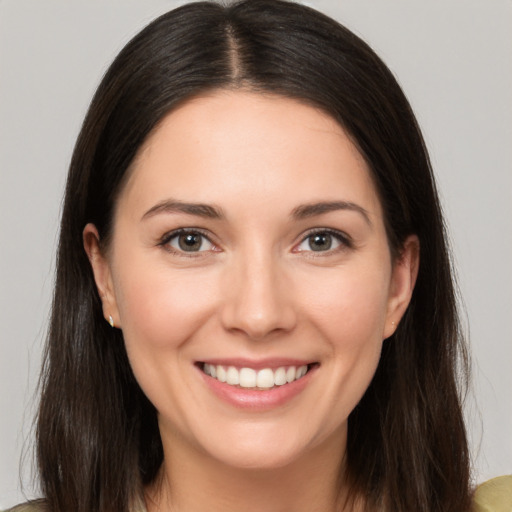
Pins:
<point x="453" y="59"/>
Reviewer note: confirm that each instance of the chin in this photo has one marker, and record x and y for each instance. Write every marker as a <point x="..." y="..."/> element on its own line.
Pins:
<point x="266" y="450"/>
<point x="258" y="459"/>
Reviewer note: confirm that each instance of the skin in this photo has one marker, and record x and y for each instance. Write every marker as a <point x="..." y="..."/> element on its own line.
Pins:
<point x="255" y="289"/>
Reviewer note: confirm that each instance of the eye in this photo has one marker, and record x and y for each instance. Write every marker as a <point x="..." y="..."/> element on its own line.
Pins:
<point x="323" y="241"/>
<point x="187" y="241"/>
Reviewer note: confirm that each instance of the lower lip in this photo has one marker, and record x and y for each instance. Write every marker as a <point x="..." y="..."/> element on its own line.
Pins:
<point x="257" y="399"/>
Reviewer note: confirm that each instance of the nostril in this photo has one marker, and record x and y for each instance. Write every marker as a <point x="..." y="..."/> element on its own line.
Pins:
<point x="256" y="325"/>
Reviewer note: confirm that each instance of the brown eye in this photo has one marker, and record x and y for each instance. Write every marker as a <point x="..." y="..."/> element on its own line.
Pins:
<point x="324" y="241"/>
<point x="189" y="241"/>
<point x="320" y="242"/>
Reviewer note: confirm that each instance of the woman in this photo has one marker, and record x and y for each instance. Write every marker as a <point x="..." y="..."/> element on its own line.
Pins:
<point x="250" y="206"/>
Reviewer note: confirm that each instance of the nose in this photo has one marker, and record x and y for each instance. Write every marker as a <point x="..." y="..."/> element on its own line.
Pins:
<point x="259" y="300"/>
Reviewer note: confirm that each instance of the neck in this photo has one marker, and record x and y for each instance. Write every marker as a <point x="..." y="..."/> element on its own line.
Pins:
<point x="191" y="481"/>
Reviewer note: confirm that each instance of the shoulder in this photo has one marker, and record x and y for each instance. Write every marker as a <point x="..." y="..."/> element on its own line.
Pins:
<point x="31" y="506"/>
<point x="494" y="495"/>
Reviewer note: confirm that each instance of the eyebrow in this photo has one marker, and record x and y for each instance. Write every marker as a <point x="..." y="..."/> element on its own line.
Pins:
<point x="313" y="209"/>
<point x="174" y="206"/>
<point x="213" y="212"/>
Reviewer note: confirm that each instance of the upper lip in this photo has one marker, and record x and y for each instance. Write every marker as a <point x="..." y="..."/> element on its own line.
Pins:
<point x="257" y="364"/>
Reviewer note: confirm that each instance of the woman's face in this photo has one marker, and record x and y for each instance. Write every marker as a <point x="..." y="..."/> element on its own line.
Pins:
<point x="249" y="238"/>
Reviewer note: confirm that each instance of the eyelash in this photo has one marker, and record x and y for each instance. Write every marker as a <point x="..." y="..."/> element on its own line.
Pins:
<point x="344" y="241"/>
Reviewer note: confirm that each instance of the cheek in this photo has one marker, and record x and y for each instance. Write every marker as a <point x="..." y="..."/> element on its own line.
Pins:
<point x="350" y="319"/>
<point x="162" y="309"/>
<point x="349" y="305"/>
<point x="160" y="312"/>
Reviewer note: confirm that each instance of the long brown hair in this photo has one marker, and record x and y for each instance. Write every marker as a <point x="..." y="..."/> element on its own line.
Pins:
<point x="98" y="442"/>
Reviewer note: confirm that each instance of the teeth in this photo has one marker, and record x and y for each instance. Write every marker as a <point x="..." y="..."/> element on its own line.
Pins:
<point x="247" y="378"/>
<point x="301" y="371"/>
<point x="250" y="378"/>
<point x="221" y="374"/>
<point x="290" y="374"/>
<point x="265" y="378"/>
<point x="280" y="377"/>
<point x="233" y="377"/>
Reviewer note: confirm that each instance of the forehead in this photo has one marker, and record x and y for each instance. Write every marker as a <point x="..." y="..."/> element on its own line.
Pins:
<point x="227" y="144"/>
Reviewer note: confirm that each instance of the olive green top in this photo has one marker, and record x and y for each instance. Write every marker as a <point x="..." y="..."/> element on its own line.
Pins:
<point x="492" y="496"/>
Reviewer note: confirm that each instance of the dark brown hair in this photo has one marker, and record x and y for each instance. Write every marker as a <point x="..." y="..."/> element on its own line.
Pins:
<point x="98" y="442"/>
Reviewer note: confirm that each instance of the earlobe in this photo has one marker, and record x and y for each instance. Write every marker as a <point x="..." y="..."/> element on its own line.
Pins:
<point x="102" y="274"/>
<point x="403" y="279"/>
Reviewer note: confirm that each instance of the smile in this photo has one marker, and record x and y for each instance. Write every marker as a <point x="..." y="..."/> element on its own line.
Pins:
<point x="249" y="378"/>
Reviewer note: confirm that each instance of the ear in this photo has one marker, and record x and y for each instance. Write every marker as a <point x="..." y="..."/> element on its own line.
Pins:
<point x="102" y="273"/>
<point x="403" y="279"/>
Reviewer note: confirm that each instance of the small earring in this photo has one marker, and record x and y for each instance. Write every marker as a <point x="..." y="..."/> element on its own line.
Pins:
<point x="111" y="321"/>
